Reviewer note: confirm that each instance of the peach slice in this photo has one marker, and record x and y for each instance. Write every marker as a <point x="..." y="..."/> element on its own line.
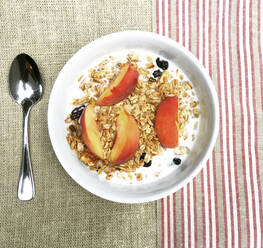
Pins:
<point x="127" y="139"/>
<point x="165" y="122"/>
<point x="121" y="87"/>
<point x="90" y="132"/>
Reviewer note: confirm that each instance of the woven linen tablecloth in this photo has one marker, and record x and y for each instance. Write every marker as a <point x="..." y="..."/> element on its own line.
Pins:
<point x="221" y="207"/>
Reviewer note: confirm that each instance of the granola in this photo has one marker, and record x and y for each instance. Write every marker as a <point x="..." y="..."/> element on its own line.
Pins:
<point x="141" y="104"/>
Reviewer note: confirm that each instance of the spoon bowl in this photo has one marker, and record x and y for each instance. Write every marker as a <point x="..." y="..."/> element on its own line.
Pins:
<point x="25" y="86"/>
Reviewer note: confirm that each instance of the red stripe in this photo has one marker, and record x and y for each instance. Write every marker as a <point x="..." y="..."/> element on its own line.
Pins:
<point x="203" y="48"/>
<point x="163" y="17"/>
<point x="189" y="215"/>
<point x="157" y="16"/>
<point x="221" y="124"/>
<point x="203" y="206"/>
<point x="177" y="21"/>
<point x="182" y="213"/>
<point x="209" y="206"/>
<point x="249" y="123"/>
<point x="255" y="116"/>
<point x="169" y="19"/>
<point x="183" y="21"/>
<point x="174" y="212"/>
<point x="228" y="131"/>
<point x="216" y="202"/>
<point x="195" y="210"/>
<point x="168" y="221"/>
<point x="197" y="30"/>
<point x="242" y="125"/>
<point x="234" y="125"/>
<point x="260" y="56"/>
<point x="190" y="25"/>
<point x="162" y="222"/>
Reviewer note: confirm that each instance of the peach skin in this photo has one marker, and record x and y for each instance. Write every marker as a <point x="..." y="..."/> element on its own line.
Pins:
<point x="127" y="139"/>
<point x="90" y="131"/>
<point x="165" y="122"/>
<point x="121" y="87"/>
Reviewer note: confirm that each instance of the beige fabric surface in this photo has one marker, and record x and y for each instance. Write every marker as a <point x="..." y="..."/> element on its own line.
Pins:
<point x="62" y="214"/>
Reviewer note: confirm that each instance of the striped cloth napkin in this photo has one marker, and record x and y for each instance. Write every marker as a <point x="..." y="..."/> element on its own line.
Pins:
<point x="222" y="206"/>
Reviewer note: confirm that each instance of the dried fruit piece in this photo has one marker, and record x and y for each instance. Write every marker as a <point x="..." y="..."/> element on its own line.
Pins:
<point x="148" y="164"/>
<point x="142" y="156"/>
<point x="157" y="73"/>
<point x="76" y="112"/>
<point x="163" y="64"/>
<point x="177" y="161"/>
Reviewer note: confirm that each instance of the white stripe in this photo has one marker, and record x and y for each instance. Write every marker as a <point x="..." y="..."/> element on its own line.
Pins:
<point x="252" y="124"/>
<point x="206" y="34"/>
<point x="191" y="192"/>
<point x="224" y="123"/>
<point x="206" y="208"/>
<point x="201" y="31"/>
<point x="166" y="18"/>
<point x="180" y="11"/>
<point x="171" y="221"/>
<point x="205" y="50"/>
<point x="211" y="165"/>
<point x="160" y="18"/>
<point x="185" y="217"/>
<point x="212" y="198"/>
<point x="230" y="129"/>
<point x="165" y="222"/>
<point x="250" y="214"/>
<point x="186" y="24"/>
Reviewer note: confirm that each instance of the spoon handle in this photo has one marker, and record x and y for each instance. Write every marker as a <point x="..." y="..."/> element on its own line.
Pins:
<point x="26" y="187"/>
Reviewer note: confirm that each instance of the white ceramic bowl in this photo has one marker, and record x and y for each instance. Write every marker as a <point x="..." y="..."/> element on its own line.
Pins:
<point x="166" y="48"/>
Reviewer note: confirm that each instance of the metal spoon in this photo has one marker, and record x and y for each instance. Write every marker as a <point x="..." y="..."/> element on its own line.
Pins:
<point x="25" y="86"/>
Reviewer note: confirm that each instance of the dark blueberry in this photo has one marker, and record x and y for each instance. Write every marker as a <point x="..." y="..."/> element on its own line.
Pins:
<point x="157" y="73"/>
<point x="76" y="112"/>
<point x="147" y="164"/>
<point x="142" y="156"/>
<point x="163" y="64"/>
<point x="177" y="161"/>
<point x="152" y="80"/>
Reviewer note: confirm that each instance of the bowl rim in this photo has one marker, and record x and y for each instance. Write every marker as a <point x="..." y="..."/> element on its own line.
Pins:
<point x="210" y="85"/>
